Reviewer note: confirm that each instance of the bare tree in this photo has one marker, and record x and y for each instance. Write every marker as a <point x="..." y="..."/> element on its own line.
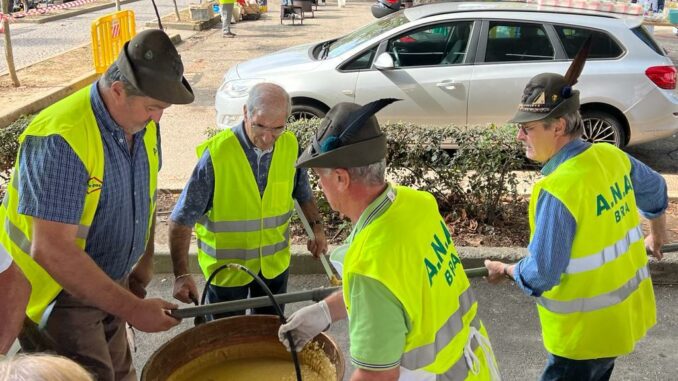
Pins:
<point x="8" y="45"/>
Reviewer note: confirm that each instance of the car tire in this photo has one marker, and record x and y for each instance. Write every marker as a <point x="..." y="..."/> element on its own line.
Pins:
<point x="304" y="111"/>
<point x="602" y="127"/>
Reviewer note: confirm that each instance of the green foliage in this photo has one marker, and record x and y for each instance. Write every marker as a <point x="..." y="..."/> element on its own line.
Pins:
<point x="476" y="179"/>
<point x="9" y="145"/>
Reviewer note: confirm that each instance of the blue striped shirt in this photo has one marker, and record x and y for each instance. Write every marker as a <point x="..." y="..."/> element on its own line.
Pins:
<point x="53" y="183"/>
<point x="549" y="249"/>
<point x="196" y="198"/>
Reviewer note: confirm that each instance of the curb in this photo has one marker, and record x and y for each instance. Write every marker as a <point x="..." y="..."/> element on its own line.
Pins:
<point x="193" y="25"/>
<point x="302" y="262"/>
<point x="43" y="100"/>
<point x="70" y="14"/>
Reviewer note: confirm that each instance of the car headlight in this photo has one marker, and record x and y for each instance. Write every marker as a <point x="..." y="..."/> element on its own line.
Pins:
<point x="238" y="88"/>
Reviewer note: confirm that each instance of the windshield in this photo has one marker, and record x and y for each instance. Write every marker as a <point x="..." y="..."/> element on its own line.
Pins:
<point x="366" y="33"/>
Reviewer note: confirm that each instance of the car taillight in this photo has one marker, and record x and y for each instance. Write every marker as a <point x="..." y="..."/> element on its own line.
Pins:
<point x="662" y="76"/>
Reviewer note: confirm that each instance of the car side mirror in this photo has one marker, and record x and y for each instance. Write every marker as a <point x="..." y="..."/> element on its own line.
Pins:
<point x="384" y="62"/>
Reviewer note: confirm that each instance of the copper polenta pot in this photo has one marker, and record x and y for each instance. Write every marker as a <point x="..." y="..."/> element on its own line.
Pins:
<point x="222" y="333"/>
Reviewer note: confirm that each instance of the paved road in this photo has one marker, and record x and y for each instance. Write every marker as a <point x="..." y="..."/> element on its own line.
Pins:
<point x="35" y="42"/>
<point x="511" y="320"/>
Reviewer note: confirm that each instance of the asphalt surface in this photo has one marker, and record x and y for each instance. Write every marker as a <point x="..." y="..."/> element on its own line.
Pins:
<point x="512" y="323"/>
<point x="32" y="43"/>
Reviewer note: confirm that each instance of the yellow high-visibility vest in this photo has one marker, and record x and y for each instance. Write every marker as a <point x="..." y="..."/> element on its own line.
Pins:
<point x="243" y="226"/>
<point x="604" y="302"/>
<point x="410" y="251"/>
<point x="73" y="119"/>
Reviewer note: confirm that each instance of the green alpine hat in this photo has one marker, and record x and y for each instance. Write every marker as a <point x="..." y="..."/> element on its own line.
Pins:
<point x="349" y="136"/>
<point x="550" y="95"/>
<point x="152" y="64"/>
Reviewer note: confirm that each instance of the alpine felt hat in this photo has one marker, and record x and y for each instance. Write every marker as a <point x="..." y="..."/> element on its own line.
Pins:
<point x="349" y="136"/>
<point x="151" y="63"/>
<point x="550" y="95"/>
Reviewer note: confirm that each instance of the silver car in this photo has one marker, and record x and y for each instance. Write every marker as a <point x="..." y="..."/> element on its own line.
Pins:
<point x="467" y="64"/>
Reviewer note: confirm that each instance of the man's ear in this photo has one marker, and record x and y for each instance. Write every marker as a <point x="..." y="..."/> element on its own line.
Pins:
<point x="343" y="179"/>
<point x="559" y="127"/>
<point x="118" y="91"/>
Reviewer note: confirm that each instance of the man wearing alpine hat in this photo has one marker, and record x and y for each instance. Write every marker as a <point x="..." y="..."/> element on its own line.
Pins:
<point x="587" y="263"/>
<point x="412" y="314"/>
<point x="80" y="210"/>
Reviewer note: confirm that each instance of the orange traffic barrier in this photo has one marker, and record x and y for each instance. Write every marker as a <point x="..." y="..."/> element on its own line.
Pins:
<point x="109" y="34"/>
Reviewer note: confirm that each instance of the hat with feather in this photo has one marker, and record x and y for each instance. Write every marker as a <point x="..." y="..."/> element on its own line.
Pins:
<point x="349" y="136"/>
<point x="550" y="95"/>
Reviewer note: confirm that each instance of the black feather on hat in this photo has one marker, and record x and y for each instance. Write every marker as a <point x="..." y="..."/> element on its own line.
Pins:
<point x="550" y="95"/>
<point x="348" y="137"/>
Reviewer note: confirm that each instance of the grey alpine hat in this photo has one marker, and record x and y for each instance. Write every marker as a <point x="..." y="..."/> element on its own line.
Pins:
<point x="550" y="95"/>
<point x="349" y="136"/>
<point x="152" y="64"/>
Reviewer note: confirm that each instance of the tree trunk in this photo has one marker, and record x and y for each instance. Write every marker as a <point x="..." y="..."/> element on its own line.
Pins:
<point x="8" y="45"/>
<point x="176" y="10"/>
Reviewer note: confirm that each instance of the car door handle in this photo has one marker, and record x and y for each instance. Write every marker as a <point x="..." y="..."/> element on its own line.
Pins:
<point x="448" y="85"/>
<point x="347" y="92"/>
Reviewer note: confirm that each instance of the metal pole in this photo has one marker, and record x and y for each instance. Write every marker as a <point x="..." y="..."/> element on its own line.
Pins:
<point x="316" y="295"/>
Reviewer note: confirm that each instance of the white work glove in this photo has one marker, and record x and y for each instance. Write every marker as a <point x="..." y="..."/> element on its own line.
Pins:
<point x="305" y="324"/>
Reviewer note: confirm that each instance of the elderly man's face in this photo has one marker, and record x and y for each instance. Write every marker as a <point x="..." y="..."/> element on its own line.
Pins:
<point x="539" y="139"/>
<point x="264" y="129"/>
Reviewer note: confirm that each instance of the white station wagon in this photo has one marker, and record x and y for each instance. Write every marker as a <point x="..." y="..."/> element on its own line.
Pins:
<point x="467" y="64"/>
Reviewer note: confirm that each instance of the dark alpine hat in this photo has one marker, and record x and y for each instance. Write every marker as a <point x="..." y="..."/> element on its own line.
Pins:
<point x="550" y="95"/>
<point x="349" y="136"/>
<point x="151" y="63"/>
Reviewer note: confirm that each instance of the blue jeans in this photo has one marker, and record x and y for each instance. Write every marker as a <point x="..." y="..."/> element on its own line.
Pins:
<point x="277" y="285"/>
<point x="563" y="369"/>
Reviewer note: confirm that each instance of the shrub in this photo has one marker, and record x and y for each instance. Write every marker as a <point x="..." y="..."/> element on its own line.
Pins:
<point x="477" y="178"/>
<point x="9" y="145"/>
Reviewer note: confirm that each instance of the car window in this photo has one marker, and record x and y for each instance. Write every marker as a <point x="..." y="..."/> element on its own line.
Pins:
<point x="646" y="37"/>
<point x="440" y="44"/>
<point x="602" y="46"/>
<point x="362" y="62"/>
<point x="366" y="33"/>
<point x="515" y="41"/>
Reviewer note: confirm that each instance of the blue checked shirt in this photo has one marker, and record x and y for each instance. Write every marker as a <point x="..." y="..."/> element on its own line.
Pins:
<point x="53" y="183"/>
<point x="196" y="198"/>
<point x="549" y="249"/>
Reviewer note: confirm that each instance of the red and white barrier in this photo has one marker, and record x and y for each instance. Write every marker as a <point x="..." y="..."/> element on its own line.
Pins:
<point x="43" y="10"/>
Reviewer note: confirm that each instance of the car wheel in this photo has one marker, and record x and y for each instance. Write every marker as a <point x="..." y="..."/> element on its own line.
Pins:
<point x="601" y="127"/>
<point x="302" y="111"/>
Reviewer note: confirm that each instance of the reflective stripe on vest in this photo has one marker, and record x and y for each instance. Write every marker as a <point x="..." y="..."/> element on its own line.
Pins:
<point x="604" y="302"/>
<point x="608" y="254"/>
<point x="245" y="226"/>
<point x="422" y="356"/>
<point x="244" y="254"/>
<point x="597" y="302"/>
<point x="440" y="326"/>
<point x="71" y="118"/>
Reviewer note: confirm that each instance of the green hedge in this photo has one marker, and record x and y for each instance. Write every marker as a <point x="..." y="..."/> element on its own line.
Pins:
<point x="475" y="179"/>
<point x="9" y="145"/>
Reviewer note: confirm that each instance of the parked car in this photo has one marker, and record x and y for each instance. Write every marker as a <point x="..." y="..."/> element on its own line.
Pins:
<point x="467" y="64"/>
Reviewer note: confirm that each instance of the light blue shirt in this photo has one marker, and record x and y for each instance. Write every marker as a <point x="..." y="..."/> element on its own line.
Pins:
<point x="549" y="249"/>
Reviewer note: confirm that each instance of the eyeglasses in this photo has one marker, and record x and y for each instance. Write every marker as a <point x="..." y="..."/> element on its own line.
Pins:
<point x="275" y="131"/>
<point x="524" y="129"/>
